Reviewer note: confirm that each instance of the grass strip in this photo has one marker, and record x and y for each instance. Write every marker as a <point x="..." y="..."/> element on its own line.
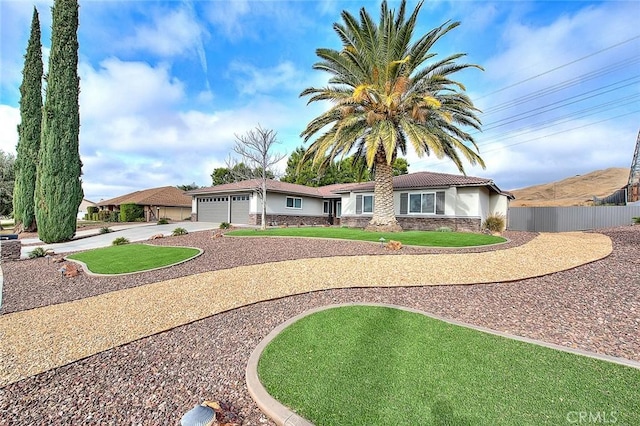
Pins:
<point x="364" y="365"/>
<point x="132" y="258"/>
<point x="412" y="238"/>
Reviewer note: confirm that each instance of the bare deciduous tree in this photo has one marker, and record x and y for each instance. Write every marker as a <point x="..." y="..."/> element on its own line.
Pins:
<point x="254" y="149"/>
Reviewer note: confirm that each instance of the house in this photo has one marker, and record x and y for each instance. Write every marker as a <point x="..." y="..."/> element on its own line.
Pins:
<point x="422" y="200"/>
<point x="164" y="202"/>
<point x="82" y="209"/>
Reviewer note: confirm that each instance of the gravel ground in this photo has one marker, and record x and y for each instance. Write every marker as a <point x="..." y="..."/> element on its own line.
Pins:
<point x="21" y="291"/>
<point x="155" y="380"/>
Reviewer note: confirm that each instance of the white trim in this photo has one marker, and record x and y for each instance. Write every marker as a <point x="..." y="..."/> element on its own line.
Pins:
<point x="421" y="212"/>
<point x="293" y="203"/>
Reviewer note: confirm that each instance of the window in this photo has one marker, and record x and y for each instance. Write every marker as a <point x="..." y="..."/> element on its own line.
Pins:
<point x="294" y="203"/>
<point x="364" y="204"/>
<point x="367" y="204"/>
<point x="325" y="207"/>
<point x="422" y="203"/>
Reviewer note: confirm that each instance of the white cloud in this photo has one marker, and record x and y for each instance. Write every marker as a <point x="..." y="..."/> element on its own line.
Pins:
<point x="251" y="79"/>
<point x="227" y="17"/>
<point x="119" y="88"/>
<point x="172" y="33"/>
<point x="10" y="118"/>
<point x="137" y="132"/>
<point x="531" y="50"/>
<point x="567" y="131"/>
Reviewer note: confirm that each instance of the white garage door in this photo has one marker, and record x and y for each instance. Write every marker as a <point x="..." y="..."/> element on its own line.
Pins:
<point x="240" y="209"/>
<point x="213" y="209"/>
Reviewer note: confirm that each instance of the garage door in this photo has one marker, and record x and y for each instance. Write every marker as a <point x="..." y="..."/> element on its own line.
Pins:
<point x="213" y="209"/>
<point x="240" y="209"/>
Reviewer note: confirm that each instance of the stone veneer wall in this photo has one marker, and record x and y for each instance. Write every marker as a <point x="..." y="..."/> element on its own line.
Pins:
<point x="414" y="223"/>
<point x="10" y="249"/>
<point x="194" y="217"/>
<point x="289" y="220"/>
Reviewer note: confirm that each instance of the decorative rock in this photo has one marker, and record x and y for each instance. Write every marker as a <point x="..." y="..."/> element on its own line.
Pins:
<point x="156" y="237"/>
<point x="69" y="270"/>
<point x="394" y="245"/>
<point x="10" y="249"/>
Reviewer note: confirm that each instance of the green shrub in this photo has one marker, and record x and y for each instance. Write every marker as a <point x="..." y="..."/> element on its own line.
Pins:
<point x="120" y="241"/>
<point x="179" y="231"/>
<point x="37" y="252"/>
<point x="92" y="209"/>
<point x="106" y="216"/>
<point x="225" y="225"/>
<point x="636" y="220"/>
<point x="105" y="230"/>
<point x="494" y="223"/>
<point x="163" y="221"/>
<point x="131" y="212"/>
<point x="444" y="229"/>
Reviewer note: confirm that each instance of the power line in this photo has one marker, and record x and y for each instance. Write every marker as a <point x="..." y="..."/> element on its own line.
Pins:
<point x="595" y="109"/>
<point x="564" y="131"/>
<point x="563" y="103"/>
<point x="559" y="67"/>
<point x="546" y="136"/>
<point x="583" y="78"/>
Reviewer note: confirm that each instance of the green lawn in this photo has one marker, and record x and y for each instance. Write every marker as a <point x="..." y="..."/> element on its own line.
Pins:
<point x="132" y="258"/>
<point x="412" y="238"/>
<point x="367" y="365"/>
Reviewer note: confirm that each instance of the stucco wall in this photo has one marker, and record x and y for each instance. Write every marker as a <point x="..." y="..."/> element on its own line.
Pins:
<point x="484" y="201"/>
<point x="467" y="202"/>
<point x="498" y="204"/>
<point x="277" y="205"/>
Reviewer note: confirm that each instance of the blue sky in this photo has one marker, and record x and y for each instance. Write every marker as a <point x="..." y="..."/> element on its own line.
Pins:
<point x="165" y="85"/>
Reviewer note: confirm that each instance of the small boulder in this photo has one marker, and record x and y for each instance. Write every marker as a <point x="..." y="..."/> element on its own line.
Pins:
<point x="156" y="237"/>
<point x="70" y="270"/>
<point x="394" y="245"/>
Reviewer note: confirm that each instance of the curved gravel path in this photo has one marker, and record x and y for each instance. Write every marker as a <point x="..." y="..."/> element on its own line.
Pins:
<point x="156" y="379"/>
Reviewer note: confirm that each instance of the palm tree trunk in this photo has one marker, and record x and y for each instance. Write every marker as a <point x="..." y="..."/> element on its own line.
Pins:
<point x="384" y="217"/>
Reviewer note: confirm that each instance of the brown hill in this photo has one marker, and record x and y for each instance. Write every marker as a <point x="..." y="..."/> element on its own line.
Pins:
<point x="573" y="191"/>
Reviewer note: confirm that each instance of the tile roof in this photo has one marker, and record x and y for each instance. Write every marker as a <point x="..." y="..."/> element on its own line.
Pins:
<point x="408" y="181"/>
<point x="272" y="185"/>
<point x="167" y="196"/>
<point x="422" y="180"/>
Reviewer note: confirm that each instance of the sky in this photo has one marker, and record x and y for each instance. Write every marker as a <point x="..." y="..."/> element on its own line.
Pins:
<point x="167" y="86"/>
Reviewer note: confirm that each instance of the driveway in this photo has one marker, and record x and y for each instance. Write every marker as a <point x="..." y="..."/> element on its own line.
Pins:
<point x="91" y="239"/>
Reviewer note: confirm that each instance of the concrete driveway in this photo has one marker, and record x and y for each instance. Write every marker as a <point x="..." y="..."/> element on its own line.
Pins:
<point x="91" y="239"/>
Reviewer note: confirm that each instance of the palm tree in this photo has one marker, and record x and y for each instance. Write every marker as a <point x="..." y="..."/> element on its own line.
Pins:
<point x="386" y="91"/>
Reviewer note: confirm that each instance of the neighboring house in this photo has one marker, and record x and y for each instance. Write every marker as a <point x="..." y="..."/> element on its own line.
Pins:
<point x="82" y="209"/>
<point x="164" y="202"/>
<point x="422" y="200"/>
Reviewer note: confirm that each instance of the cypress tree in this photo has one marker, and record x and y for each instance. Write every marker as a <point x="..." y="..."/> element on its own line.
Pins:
<point x="58" y="184"/>
<point x="29" y="131"/>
